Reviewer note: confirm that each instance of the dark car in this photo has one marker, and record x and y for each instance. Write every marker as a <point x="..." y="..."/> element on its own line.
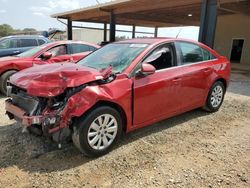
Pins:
<point x="121" y="87"/>
<point x="54" y="52"/>
<point x="14" y="45"/>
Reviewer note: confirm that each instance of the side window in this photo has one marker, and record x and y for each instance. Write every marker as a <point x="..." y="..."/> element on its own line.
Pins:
<point x="207" y="55"/>
<point x="162" y="57"/>
<point x="41" y="42"/>
<point x="28" y="42"/>
<point x="58" y="50"/>
<point x="190" y="53"/>
<point x="91" y="48"/>
<point x="79" y="48"/>
<point x="5" y="44"/>
<point x="9" y="43"/>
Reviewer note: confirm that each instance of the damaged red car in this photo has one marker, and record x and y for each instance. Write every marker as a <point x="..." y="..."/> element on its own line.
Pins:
<point x="118" y="88"/>
<point x="54" y="52"/>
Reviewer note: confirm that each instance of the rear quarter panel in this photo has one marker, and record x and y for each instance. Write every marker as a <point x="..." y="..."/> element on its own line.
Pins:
<point x="221" y="70"/>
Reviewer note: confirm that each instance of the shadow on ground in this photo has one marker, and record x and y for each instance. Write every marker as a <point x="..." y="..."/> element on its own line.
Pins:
<point x="38" y="154"/>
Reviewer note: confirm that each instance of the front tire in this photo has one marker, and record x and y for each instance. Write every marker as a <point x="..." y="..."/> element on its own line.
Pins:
<point x="97" y="132"/>
<point x="215" y="97"/>
<point x="4" y="79"/>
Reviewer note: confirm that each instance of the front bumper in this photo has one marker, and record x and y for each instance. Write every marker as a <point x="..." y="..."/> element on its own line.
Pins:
<point x="18" y="114"/>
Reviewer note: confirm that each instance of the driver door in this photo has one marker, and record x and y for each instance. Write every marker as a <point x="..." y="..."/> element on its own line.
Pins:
<point x="156" y="96"/>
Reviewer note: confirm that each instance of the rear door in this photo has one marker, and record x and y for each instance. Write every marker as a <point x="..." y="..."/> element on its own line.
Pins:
<point x="156" y="96"/>
<point x="195" y="65"/>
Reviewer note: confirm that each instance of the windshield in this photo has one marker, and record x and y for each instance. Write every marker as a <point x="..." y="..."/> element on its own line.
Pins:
<point x="32" y="51"/>
<point x="117" y="55"/>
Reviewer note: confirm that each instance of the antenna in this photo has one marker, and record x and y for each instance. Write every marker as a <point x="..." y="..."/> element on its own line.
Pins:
<point x="179" y="33"/>
<point x="98" y="2"/>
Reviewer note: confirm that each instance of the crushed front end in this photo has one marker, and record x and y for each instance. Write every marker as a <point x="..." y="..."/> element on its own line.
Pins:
<point x="41" y="115"/>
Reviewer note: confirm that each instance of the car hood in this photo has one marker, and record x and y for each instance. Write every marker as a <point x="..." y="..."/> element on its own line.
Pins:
<point x="51" y="80"/>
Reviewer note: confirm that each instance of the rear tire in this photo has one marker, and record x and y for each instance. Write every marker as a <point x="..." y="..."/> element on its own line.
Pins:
<point x="97" y="132"/>
<point x="4" y="79"/>
<point x="215" y="97"/>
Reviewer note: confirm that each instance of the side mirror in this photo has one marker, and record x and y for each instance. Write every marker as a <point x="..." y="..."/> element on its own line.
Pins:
<point x="46" y="55"/>
<point x="146" y="69"/>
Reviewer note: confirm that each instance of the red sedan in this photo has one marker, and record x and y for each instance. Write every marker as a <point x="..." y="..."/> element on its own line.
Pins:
<point x="118" y="88"/>
<point x="55" y="52"/>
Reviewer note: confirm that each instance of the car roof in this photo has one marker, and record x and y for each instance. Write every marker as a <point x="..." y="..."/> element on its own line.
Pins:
<point x="152" y="40"/>
<point x="147" y="40"/>
<point x="159" y="40"/>
<point x="23" y="36"/>
<point x="73" y="42"/>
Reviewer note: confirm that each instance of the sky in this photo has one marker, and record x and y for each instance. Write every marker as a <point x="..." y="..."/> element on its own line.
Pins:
<point x="22" y="14"/>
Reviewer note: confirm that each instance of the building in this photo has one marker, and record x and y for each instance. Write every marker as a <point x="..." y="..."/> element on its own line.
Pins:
<point x="232" y="37"/>
<point x="224" y="24"/>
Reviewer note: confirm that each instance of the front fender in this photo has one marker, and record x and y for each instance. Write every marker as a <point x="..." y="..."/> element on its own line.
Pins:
<point x="81" y="102"/>
<point x="84" y="100"/>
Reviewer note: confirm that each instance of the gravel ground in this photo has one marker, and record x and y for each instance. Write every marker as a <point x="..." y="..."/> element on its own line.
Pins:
<point x="196" y="149"/>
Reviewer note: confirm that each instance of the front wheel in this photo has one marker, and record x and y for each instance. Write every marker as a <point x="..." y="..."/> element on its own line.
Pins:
<point x="4" y="79"/>
<point x="215" y="97"/>
<point x="96" y="133"/>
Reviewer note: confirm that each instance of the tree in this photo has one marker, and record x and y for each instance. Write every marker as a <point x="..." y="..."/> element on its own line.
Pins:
<point x="29" y="30"/>
<point x="5" y="30"/>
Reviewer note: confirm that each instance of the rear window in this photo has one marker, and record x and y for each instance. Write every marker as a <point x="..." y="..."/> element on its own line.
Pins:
<point x="41" y="42"/>
<point x="207" y="55"/>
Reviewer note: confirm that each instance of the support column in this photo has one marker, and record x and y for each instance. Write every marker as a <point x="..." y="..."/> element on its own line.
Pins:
<point x="112" y="27"/>
<point x="69" y="29"/>
<point x="133" y="31"/>
<point x="156" y="32"/>
<point x="105" y="32"/>
<point x="208" y="22"/>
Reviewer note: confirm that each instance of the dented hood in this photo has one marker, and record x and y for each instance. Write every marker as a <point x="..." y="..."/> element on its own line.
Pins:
<point x="51" y="80"/>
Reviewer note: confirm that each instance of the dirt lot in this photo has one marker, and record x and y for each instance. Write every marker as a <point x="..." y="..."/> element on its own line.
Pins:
<point x="196" y="149"/>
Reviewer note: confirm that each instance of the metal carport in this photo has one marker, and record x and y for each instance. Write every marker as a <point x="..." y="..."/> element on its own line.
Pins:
<point x="157" y="13"/>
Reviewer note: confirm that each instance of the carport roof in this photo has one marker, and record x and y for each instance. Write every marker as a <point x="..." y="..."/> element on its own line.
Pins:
<point x="152" y="13"/>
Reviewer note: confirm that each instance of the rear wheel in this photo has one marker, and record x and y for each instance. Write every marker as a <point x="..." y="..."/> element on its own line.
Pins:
<point x="215" y="97"/>
<point x="4" y="79"/>
<point x="96" y="133"/>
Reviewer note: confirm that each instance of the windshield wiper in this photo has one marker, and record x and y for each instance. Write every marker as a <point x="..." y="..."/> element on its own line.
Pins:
<point x="107" y="71"/>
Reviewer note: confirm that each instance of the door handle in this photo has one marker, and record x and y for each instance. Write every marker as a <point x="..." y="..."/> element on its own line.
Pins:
<point x="16" y="51"/>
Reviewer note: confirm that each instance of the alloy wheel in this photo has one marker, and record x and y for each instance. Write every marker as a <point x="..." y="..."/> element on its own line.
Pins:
<point x="102" y="132"/>
<point x="216" y="96"/>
